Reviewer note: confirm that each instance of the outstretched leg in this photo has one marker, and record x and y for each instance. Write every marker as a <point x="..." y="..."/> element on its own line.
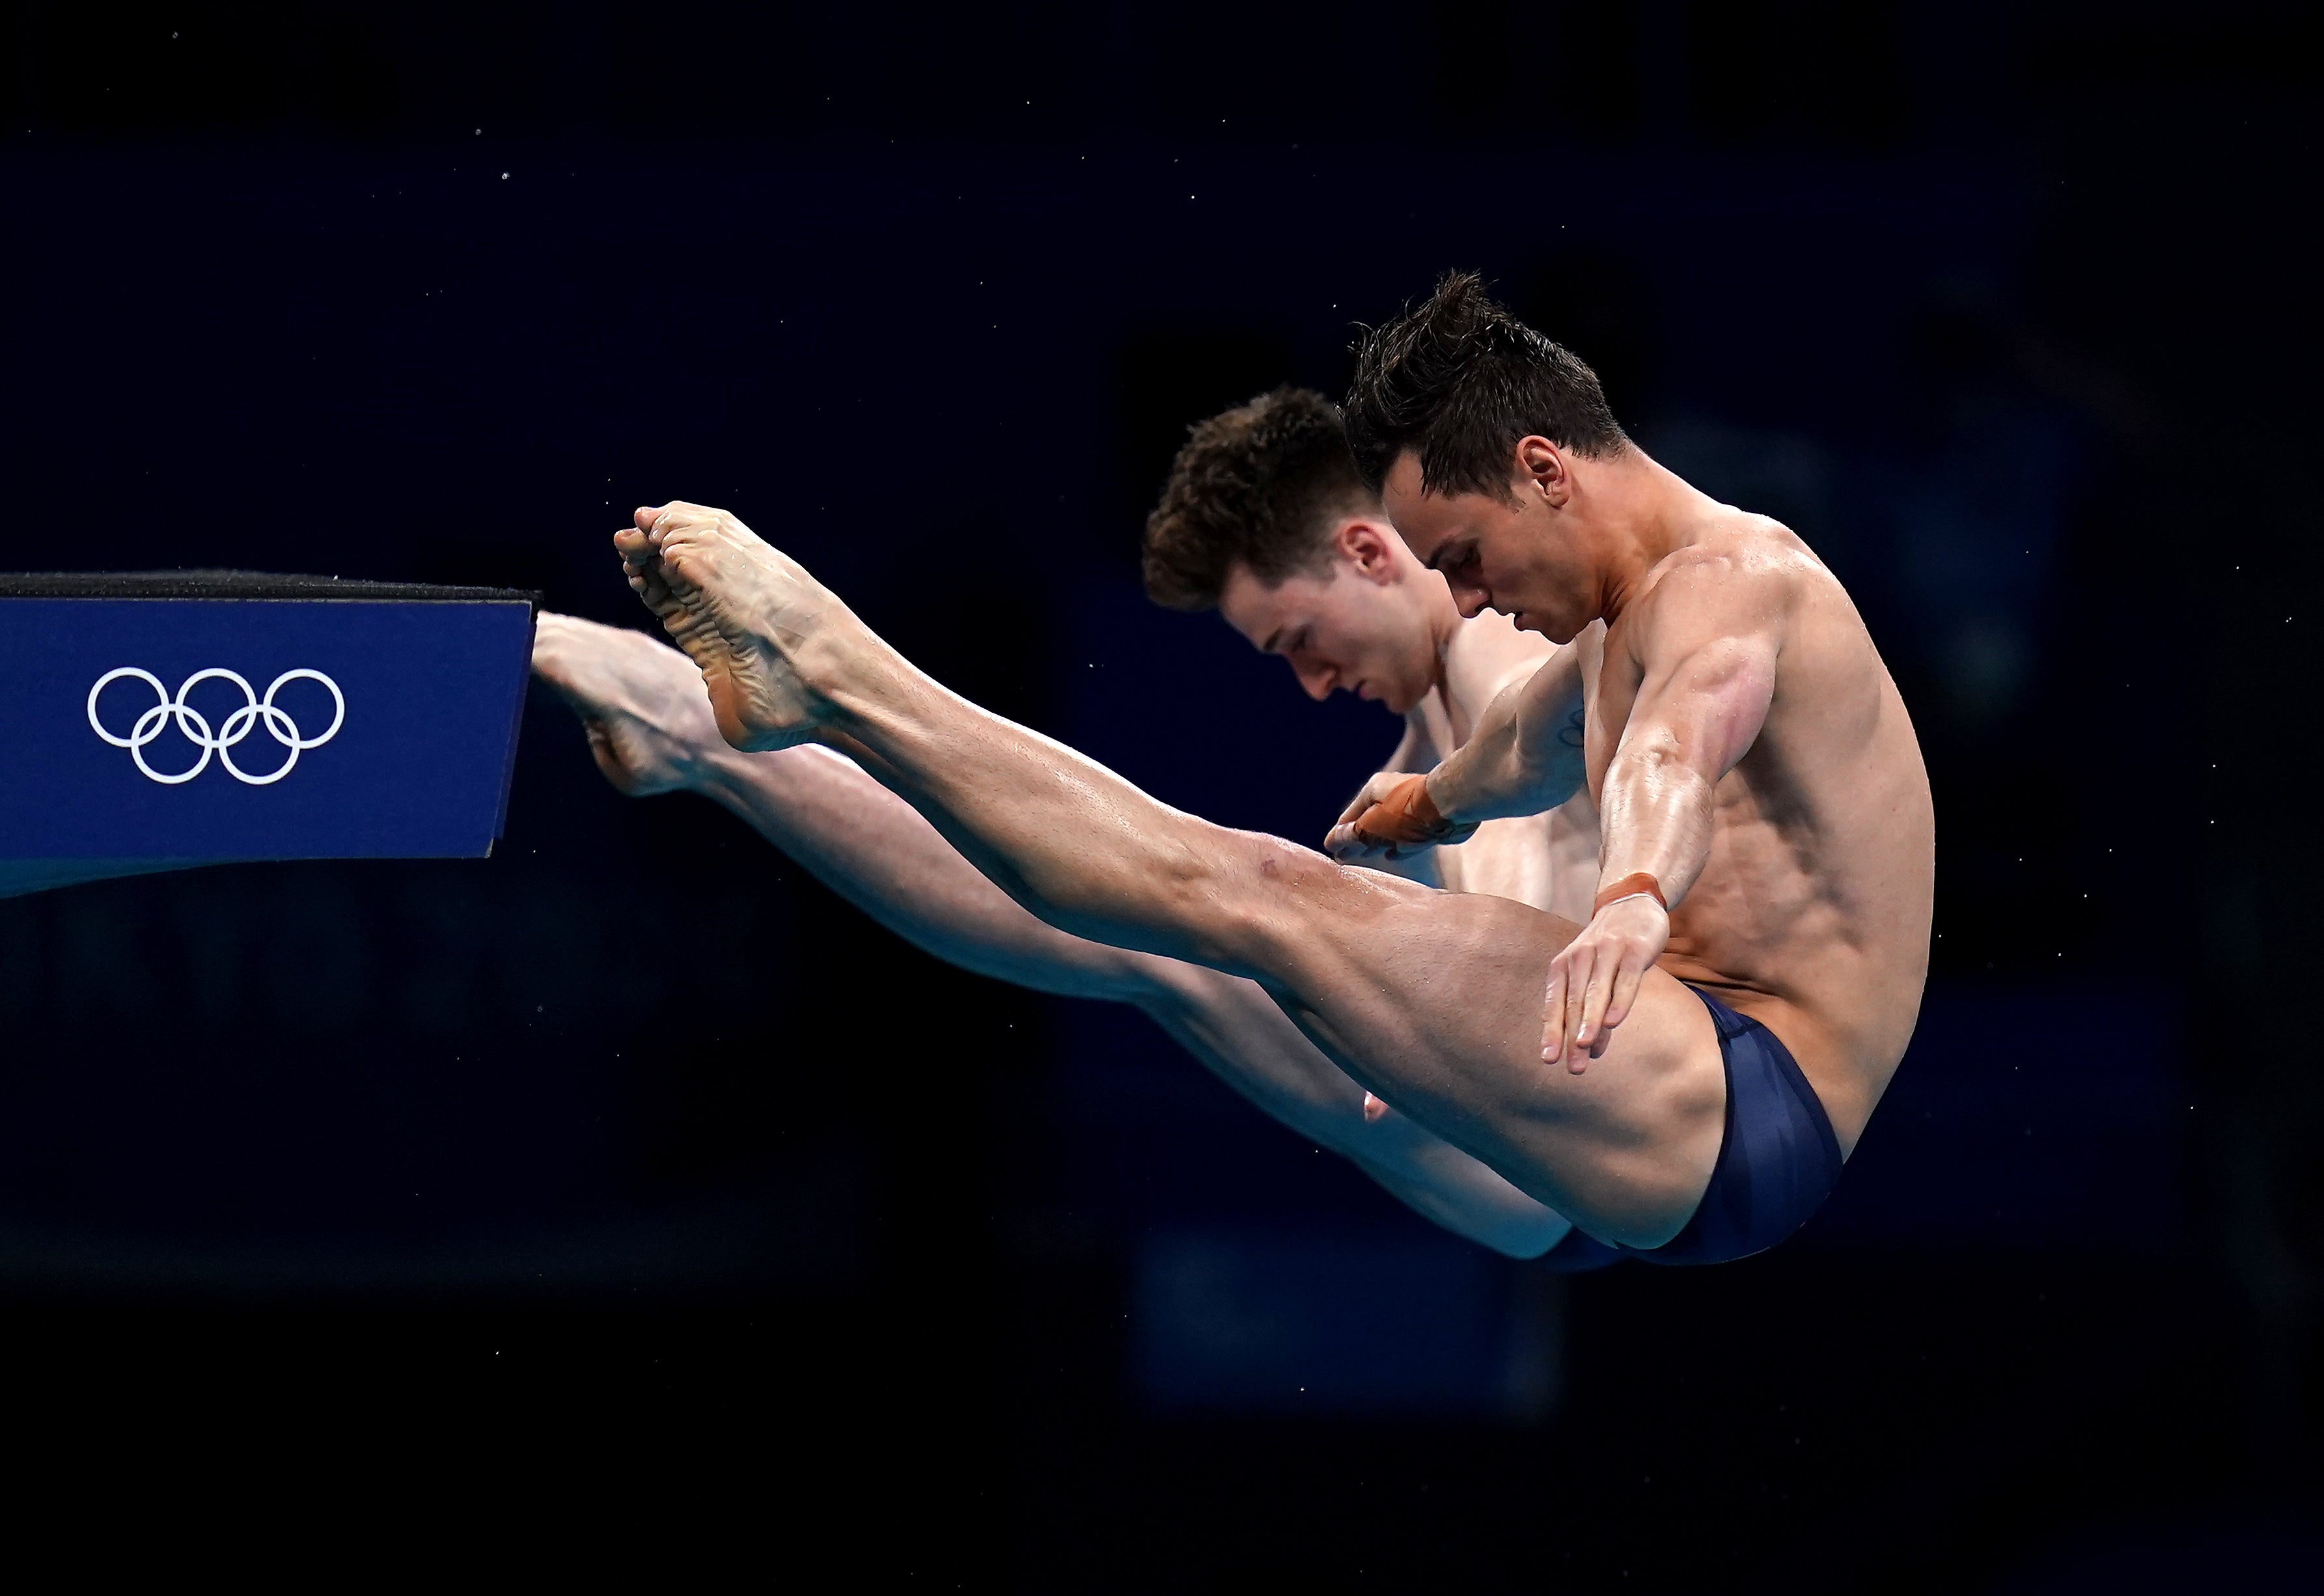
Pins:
<point x="651" y="727"/>
<point x="1430" y="999"/>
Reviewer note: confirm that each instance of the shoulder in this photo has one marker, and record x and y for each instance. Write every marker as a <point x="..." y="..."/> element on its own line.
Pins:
<point x="1738" y="551"/>
<point x="1736" y="593"/>
<point x="1746" y="572"/>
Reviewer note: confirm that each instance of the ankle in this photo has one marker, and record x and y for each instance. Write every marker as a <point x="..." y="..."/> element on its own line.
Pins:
<point x="851" y="675"/>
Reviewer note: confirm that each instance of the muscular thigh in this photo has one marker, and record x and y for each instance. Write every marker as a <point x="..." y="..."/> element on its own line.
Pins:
<point x="1432" y="1001"/>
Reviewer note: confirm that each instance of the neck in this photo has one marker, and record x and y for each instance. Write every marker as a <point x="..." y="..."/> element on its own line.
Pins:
<point x="1440" y="617"/>
<point x="1645" y="513"/>
<point x="1444" y="624"/>
<point x="1433" y="714"/>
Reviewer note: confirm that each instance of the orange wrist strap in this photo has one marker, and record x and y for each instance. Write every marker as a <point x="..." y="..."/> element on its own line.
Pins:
<point x="1406" y="818"/>
<point x="1636" y="884"/>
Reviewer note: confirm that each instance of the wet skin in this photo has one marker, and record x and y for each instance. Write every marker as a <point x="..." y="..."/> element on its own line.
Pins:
<point x="1745" y="747"/>
<point x="650" y="726"/>
<point x="1430" y="999"/>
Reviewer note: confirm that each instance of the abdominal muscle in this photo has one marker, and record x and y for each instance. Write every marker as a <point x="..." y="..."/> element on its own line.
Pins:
<point x="1770" y="931"/>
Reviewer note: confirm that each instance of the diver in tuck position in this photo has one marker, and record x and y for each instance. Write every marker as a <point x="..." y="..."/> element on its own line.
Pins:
<point x="1265" y="519"/>
<point x="1757" y="776"/>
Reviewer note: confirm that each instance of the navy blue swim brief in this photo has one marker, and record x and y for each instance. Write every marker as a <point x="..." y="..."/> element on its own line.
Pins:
<point x="1778" y="1161"/>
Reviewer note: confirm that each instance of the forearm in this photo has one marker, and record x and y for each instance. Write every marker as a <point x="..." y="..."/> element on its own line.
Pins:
<point x="1707" y="684"/>
<point x="1656" y="819"/>
<point x="1244" y="1038"/>
<point x="1525" y="756"/>
<point x="876" y="851"/>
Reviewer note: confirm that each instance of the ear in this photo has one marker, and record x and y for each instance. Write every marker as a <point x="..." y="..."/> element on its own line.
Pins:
<point x="1542" y="468"/>
<point x="1369" y="545"/>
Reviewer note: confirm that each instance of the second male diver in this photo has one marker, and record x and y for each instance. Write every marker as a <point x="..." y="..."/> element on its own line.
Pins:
<point x="1265" y="519"/>
<point x="1759" y="942"/>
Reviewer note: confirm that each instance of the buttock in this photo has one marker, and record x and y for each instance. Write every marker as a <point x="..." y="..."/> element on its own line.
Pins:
<point x="1778" y="1159"/>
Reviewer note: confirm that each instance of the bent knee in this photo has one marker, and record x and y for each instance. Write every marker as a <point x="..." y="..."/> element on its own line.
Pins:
<point x="1272" y="902"/>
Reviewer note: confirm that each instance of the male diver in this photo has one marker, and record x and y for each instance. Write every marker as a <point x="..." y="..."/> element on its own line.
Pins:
<point x="1755" y="773"/>
<point x="1264" y="517"/>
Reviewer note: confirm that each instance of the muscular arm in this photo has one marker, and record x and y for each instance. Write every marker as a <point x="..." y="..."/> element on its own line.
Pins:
<point x="1699" y="709"/>
<point x="1704" y="646"/>
<point x="1525" y="756"/>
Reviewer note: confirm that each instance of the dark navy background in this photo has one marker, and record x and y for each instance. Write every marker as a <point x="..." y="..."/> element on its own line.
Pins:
<point x="630" y="1165"/>
<point x="418" y="769"/>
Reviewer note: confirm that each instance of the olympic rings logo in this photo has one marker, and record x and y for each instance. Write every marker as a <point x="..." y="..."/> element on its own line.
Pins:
<point x="236" y="726"/>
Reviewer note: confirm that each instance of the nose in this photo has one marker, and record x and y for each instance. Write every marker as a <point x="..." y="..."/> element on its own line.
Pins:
<point x="1317" y="679"/>
<point x="1470" y="601"/>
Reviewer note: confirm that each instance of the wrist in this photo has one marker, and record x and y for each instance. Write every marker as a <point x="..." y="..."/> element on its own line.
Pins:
<point x="1405" y="816"/>
<point x="1436" y="803"/>
<point x="1638" y="883"/>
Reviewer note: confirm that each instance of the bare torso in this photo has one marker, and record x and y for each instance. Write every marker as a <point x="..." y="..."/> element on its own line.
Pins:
<point x="1812" y="912"/>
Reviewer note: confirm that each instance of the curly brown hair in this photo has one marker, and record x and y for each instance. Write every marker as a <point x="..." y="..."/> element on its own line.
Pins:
<point x="1255" y="487"/>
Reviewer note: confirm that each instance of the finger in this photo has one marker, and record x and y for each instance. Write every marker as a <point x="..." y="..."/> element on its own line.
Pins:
<point x="1353" y="816"/>
<point x="1370" y="826"/>
<point x="1579" y="978"/>
<point x="1551" y="1004"/>
<point x="1626" y="977"/>
<point x="1594" y="996"/>
<point x="1629" y="974"/>
<point x="1552" y="1010"/>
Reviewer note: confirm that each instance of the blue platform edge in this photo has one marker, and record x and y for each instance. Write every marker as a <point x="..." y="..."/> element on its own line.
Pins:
<point x="418" y="767"/>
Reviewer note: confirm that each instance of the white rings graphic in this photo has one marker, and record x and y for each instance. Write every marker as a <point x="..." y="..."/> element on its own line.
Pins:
<point x="256" y="711"/>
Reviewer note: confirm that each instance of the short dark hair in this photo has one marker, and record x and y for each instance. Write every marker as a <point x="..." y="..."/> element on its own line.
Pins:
<point x="1253" y="486"/>
<point x="1459" y="381"/>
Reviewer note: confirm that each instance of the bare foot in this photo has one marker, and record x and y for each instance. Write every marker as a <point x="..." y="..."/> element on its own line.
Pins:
<point x="640" y="702"/>
<point x="741" y="609"/>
